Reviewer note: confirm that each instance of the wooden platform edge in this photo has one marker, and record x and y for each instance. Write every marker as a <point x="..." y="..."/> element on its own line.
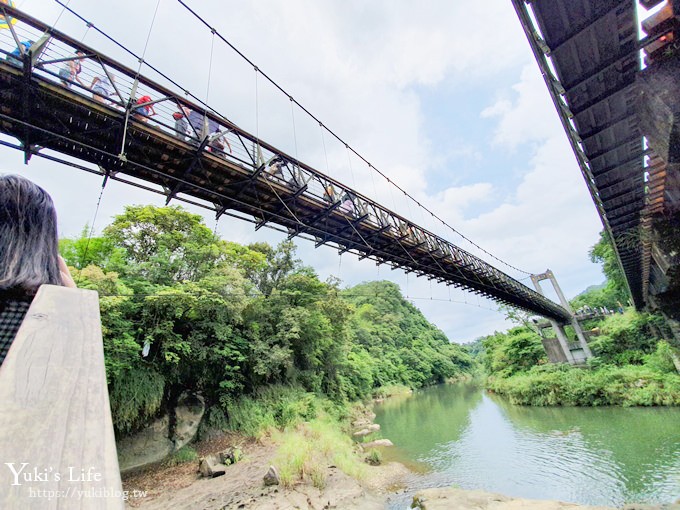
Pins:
<point x="57" y="445"/>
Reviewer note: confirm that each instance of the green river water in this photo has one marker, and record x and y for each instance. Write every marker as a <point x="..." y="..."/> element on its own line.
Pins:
<point x="458" y="435"/>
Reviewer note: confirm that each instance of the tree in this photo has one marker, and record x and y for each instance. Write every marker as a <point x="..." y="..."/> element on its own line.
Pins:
<point x="87" y="250"/>
<point x="280" y="262"/>
<point x="603" y="252"/>
<point x="166" y="244"/>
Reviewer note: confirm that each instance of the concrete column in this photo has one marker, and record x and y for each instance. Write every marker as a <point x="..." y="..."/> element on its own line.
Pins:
<point x="549" y="275"/>
<point x="557" y="328"/>
<point x="565" y="304"/>
<point x="563" y="340"/>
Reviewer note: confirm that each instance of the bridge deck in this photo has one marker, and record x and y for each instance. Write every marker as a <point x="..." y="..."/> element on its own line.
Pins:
<point x="36" y="109"/>
<point x="594" y="49"/>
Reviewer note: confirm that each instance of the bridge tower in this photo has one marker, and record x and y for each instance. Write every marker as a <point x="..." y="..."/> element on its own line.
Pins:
<point x="573" y="353"/>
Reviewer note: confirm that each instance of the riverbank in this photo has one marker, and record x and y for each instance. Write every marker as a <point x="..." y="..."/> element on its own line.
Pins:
<point x="180" y="487"/>
<point x="242" y="486"/>
<point x="319" y="465"/>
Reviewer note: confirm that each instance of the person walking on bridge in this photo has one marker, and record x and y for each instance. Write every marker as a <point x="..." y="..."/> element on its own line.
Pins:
<point x="71" y="69"/>
<point x="102" y="87"/>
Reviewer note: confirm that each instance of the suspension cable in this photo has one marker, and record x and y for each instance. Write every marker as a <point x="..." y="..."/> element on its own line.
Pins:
<point x="292" y="115"/>
<point x="338" y="138"/>
<point x="94" y="218"/>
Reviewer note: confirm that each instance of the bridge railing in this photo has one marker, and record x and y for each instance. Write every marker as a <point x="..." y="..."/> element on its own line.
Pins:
<point x="210" y="134"/>
<point x="56" y="435"/>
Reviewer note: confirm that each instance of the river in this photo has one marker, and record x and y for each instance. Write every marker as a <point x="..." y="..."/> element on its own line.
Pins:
<point x="458" y="435"/>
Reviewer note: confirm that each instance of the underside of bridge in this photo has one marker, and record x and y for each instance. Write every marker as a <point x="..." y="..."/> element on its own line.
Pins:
<point x="620" y="109"/>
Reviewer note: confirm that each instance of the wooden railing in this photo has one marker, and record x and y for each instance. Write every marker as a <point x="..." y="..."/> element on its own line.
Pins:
<point x="57" y="447"/>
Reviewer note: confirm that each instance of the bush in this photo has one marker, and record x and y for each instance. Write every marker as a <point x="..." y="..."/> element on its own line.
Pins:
<point x="136" y="397"/>
<point x="306" y="451"/>
<point x="609" y="385"/>
<point x="183" y="455"/>
<point x="391" y="390"/>
<point x="272" y="407"/>
<point x="661" y="360"/>
<point x="374" y="457"/>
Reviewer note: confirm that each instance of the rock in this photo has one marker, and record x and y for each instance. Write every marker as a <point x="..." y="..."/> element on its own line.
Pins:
<point x="147" y="446"/>
<point x="638" y="506"/>
<point x="230" y="456"/>
<point x="188" y="415"/>
<point x="153" y="443"/>
<point x="362" y="433"/>
<point x="440" y="499"/>
<point x="378" y="442"/>
<point x="374" y="427"/>
<point x="447" y="498"/>
<point x="272" y="476"/>
<point x="210" y="466"/>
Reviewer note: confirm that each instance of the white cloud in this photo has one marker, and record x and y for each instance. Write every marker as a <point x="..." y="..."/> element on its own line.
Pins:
<point x="530" y="116"/>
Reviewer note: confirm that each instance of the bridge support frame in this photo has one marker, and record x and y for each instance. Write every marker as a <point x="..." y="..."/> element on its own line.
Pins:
<point x="559" y="328"/>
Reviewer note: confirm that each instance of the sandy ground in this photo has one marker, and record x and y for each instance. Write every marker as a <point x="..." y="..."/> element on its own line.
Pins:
<point x="181" y="487"/>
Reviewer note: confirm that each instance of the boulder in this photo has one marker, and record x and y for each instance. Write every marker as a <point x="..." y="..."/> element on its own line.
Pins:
<point x="154" y="443"/>
<point x="272" y="476"/>
<point x="362" y="433"/>
<point x="378" y="442"/>
<point x="147" y="446"/>
<point x="230" y="456"/>
<point x="188" y="415"/>
<point x="210" y="466"/>
<point x="374" y="427"/>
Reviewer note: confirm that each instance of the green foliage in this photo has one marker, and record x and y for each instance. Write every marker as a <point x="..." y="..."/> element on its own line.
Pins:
<point x="135" y="397"/>
<point x="183" y="455"/>
<point x="272" y="407"/>
<point x="630" y="367"/>
<point x="306" y="451"/>
<point x="391" y="390"/>
<point x="250" y="328"/>
<point x="625" y="339"/>
<point x="661" y="360"/>
<point x="394" y="343"/>
<point x="87" y="250"/>
<point x="552" y="385"/>
<point x="508" y="353"/>
<point x="165" y="244"/>
<point x="615" y="290"/>
<point x="374" y="457"/>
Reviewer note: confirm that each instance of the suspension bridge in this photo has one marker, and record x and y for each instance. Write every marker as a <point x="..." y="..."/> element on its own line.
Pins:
<point x="214" y="163"/>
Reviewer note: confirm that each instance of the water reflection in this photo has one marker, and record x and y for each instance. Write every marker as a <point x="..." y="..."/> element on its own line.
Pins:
<point x="600" y="456"/>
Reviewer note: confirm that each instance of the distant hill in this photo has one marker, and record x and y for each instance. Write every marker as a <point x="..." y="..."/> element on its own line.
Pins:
<point x="592" y="287"/>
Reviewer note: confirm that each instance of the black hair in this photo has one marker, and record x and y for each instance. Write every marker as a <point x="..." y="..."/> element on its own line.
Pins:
<point x="29" y="246"/>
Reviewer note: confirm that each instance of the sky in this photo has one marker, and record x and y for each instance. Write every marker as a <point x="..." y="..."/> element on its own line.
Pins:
<point x="444" y="97"/>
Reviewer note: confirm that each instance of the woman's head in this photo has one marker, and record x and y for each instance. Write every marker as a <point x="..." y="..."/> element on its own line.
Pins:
<point x="28" y="236"/>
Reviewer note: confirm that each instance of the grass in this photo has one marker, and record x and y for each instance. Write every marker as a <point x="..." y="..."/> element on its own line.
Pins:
<point x="391" y="390"/>
<point x="307" y="450"/>
<point x="553" y="385"/>
<point x="272" y="408"/>
<point x="374" y="457"/>
<point x="183" y="455"/>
